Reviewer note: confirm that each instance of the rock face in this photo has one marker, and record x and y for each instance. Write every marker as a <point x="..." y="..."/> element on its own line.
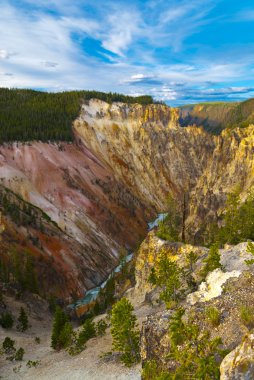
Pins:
<point x="212" y="116"/>
<point x="102" y="189"/>
<point x="227" y="291"/>
<point x="145" y="147"/>
<point x="216" y="116"/>
<point x="151" y="154"/>
<point x="239" y="363"/>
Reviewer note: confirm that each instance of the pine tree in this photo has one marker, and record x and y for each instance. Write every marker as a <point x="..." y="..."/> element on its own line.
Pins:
<point x="65" y="337"/>
<point x="197" y="356"/>
<point x="166" y="274"/>
<point x="212" y="261"/>
<point x="124" y="332"/>
<point x="87" y="332"/>
<point x="170" y="227"/>
<point x="22" y="321"/>
<point x="6" y="320"/>
<point x="61" y="330"/>
<point x="250" y="249"/>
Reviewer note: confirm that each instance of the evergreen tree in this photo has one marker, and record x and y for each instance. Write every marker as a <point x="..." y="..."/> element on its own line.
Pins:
<point x="27" y="115"/>
<point x="19" y="354"/>
<point x="88" y="332"/>
<point x="250" y="249"/>
<point x="101" y="327"/>
<point x="66" y="335"/>
<point x="22" y="320"/>
<point x="124" y="332"/>
<point x="170" y="227"/>
<point x="231" y="231"/>
<point x="238" y="219"/>
<point x="6" y="320"/>
<point x="60" y="319"/>
<point x="191" y="259"/>
<point x="197" y="356"/>
<point x="212" y="261"/>
<point x="166" y="274"/>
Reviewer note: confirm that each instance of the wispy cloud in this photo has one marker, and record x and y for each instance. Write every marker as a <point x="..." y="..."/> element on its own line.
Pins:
<point x="122" y="28"/>
<point x="245" y="15"/>
<point x="162" y="48"/>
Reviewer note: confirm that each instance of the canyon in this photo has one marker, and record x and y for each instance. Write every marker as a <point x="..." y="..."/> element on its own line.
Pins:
<point x="100" y="191"/>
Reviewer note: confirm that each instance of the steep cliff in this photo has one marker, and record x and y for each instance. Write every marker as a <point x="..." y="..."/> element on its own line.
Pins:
<point x="102" y="189"/>
<point x="152" y="155"/>
<point x="214" y="117"/>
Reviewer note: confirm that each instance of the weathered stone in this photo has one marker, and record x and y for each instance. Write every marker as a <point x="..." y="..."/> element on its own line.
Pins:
<point x="239" y="363"/>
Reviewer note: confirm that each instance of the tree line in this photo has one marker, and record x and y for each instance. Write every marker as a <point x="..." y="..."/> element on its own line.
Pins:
<point x="27" y="115"/>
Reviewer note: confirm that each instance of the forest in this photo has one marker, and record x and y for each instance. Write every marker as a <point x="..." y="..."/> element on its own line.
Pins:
<point x="27" y="115"/>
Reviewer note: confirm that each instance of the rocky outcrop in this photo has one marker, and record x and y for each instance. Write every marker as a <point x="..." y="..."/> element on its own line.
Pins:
<point x="227" y="291"/>
<point x="239" y="363"/>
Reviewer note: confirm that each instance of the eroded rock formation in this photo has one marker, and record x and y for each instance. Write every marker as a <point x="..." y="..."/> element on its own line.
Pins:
<point x="102" y="189"/>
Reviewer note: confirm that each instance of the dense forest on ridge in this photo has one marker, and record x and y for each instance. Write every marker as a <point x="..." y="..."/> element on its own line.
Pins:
<point x="33" y="115"/>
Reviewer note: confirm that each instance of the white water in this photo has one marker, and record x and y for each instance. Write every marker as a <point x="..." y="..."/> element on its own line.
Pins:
<point x="156" y="222"/>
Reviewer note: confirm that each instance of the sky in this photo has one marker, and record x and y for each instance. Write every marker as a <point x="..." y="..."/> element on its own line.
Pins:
<point x="178" y="51"/>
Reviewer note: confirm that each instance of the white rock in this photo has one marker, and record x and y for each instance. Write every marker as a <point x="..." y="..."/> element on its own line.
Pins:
<point x="212" y="287"/>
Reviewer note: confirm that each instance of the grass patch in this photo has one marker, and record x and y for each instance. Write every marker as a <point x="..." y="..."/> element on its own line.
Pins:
<point x="213" y="316"/>
<point x="247" y="316"/>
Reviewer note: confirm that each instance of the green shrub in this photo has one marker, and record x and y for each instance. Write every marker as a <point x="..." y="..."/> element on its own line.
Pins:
<point x="66" y="335"/>
<point x="8" y="345"/>
<point x="88" y="331"/>
<point x="196" y="355"/>
<point x="61" y="331"/>
<point x="32" y="363"/>
<point x="101" y="327"/>
<point x="166" y="275"/>
<point x="6" y="320"/>
<point x="247" y="316"/>
<point x="250" y="249"/>
<point x="19" y="354"/>
<point x="213" y="316"/>
<point x="212" y="261"/>
<point x="238" y="219"/>
<point x="172" y="224"/>
<point x="37" y="340"/>
<point x="124" y="332"/>
<point x="151" y="371"/>
<point x="22" y="321"/>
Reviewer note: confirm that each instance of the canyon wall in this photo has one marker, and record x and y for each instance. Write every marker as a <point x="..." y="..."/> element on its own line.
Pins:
<point x="101" y="190"/>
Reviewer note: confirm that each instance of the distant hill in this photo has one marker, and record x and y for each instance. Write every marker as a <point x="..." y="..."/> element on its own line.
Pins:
<point x="218" y="115"/>
<point x="34" y="115"/>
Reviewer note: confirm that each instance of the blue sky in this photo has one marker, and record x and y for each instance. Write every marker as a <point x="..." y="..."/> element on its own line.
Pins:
<point x="179" y="51"/>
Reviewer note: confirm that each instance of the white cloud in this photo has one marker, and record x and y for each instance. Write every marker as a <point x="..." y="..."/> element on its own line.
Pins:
<point x="4" y="54"/>
<point x="120" y="29"/>
<point x="38" y="50"/>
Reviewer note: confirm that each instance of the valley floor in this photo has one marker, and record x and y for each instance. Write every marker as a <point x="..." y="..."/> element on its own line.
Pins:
<point x="88" y="365"/>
